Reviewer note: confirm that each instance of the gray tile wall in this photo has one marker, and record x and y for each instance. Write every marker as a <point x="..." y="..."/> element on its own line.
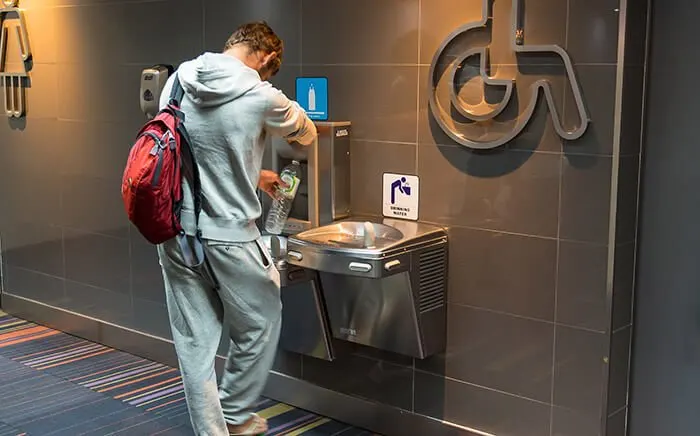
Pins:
<point x="531" y="348"/>
<point x="665" y="389"/>
<point x="624" y="241"/>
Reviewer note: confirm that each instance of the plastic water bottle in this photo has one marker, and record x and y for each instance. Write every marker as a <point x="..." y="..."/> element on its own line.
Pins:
<point x="277" y="217"/>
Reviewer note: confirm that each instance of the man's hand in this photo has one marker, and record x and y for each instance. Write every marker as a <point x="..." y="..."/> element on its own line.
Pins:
<point x="269" y="183"/>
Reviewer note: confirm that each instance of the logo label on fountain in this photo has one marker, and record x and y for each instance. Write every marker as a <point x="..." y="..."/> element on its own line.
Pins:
<point x="348" y="331"/>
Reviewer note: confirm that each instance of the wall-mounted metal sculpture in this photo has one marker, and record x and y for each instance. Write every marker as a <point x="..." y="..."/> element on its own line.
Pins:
<point x="476" y="131"/>
<point x="14" y="82"/>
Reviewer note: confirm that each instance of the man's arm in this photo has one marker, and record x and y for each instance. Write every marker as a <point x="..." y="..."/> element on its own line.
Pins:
<point x="287" y="119"/>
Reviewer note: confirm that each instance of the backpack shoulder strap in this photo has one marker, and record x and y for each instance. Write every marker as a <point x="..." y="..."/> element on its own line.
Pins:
<point x="194" y="256"/>
<point x="177" y="93"/>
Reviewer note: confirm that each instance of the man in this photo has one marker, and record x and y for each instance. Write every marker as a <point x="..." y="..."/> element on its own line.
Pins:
<point x="230" y="108"/>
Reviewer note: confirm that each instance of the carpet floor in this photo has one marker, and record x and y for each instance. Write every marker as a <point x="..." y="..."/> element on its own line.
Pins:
<point x="54" y="384"/>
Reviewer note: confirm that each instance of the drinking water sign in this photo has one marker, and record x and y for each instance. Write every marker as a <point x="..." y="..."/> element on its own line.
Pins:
<point x="401" y="194"/>
<point x="312" y="95"/>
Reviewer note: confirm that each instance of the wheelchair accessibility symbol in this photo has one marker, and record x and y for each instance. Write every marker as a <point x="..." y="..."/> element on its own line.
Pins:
<point x="484" y="124"/>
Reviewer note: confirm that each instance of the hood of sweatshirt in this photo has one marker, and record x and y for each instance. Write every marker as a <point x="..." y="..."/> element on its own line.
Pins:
<point x="214" y="79"/>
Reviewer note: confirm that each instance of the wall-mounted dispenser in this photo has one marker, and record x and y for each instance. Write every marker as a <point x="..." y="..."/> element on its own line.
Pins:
<point x="152" y="83"/>
<point x="322" y="198"/>
<point x="324" y="194"/>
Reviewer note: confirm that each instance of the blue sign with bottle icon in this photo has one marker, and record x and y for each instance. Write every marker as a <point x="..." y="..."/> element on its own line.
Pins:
<point x="312" y="95"/>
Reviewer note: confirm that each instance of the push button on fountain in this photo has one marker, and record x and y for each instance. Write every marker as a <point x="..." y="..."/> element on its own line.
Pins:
<point x="295" y="255"/>
<point x="392" y="264"/>
<point x="360" y="267"/>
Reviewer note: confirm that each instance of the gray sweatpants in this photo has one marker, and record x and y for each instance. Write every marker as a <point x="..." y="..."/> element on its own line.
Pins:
<point x="246" y="307"/>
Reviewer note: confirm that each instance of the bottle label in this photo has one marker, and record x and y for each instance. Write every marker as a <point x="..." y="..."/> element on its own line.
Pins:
<point x="292" y="185"/>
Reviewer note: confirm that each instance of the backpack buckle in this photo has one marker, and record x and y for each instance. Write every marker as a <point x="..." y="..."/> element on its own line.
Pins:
<point x="168" y="140"/>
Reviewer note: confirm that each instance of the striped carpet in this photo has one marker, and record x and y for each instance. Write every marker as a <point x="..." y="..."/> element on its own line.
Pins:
<point x="55" y="384"/>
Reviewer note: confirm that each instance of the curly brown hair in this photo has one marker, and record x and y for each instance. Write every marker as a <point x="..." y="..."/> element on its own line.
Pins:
<point x="259" y="36"/>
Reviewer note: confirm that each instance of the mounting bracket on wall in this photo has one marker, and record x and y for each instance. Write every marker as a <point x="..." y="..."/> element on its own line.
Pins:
<point x="481" y="128"/>
<point x="14" y="81"/>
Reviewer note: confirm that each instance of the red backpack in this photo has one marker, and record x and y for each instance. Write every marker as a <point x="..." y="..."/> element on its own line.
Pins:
<point x="152" y="181"/>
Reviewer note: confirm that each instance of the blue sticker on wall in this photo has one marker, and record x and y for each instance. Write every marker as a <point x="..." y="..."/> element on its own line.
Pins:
<point x="312" y="95"/>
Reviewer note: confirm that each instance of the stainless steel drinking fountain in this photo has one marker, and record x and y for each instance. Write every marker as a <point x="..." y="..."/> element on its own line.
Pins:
<point x="384" y="284"/>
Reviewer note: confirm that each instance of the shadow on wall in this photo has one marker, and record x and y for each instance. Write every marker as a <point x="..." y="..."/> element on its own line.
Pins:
<point x="495" y="163"/>
<point x="17" y="123"/>
<point x="486" y="163"/>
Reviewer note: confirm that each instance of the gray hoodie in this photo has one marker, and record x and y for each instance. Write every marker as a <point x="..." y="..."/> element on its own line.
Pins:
<point x="229" y="111"/>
